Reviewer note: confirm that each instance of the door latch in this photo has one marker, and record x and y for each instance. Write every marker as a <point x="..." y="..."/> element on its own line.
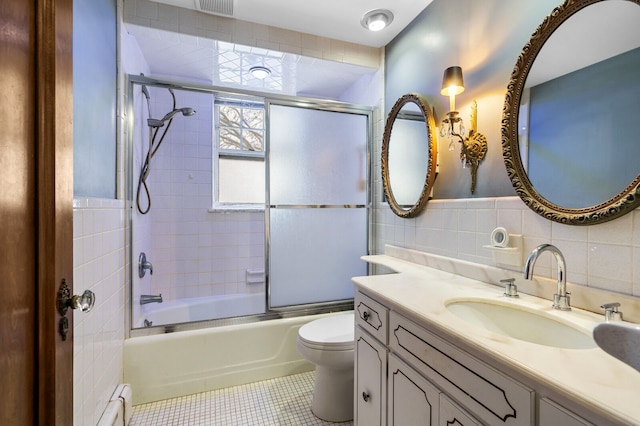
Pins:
<point x="66" y="301"/>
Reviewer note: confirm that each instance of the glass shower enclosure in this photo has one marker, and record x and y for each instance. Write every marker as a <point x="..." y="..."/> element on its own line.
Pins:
<point x="198" y="259"/>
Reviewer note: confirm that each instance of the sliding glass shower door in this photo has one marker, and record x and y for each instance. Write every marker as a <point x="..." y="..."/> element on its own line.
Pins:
<point x="317" y="216"/>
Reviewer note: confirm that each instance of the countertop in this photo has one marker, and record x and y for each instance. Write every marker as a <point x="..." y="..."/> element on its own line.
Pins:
<point x="590" y="376"/>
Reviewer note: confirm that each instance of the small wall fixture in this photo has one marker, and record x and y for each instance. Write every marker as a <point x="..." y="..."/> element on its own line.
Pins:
<point x="474" y="147"/>
<point x="260" y="72"/>
<point x="376" y="20"/>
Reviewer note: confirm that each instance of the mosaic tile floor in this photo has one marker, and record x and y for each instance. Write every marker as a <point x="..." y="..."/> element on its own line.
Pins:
<point x="284" y="401"/>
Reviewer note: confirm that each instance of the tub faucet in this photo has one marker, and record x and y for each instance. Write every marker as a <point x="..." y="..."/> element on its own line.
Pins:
<point x="150" y="298"/>
<point x="561" y="298"/>
<point x="143" y="265"/>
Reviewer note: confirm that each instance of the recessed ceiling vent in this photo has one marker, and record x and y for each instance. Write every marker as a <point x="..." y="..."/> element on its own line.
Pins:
<point x="216" y="7"/>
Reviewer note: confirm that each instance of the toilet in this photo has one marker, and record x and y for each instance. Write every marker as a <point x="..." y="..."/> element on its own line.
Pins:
<point x="329" y="344"/>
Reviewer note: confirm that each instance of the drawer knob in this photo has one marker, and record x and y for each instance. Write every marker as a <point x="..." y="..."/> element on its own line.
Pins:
<point x="365" y="396"/>
<point x="366" y="316"/>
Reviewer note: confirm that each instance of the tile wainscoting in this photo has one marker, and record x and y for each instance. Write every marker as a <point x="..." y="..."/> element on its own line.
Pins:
<point x="99" y="266"/>
<point x="605" y="256"/>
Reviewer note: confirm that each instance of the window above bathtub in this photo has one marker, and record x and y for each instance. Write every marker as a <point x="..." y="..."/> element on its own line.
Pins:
<point x="239" y="159"/>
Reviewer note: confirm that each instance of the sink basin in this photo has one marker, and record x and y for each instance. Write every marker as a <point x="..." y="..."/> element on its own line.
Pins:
<point x="519" y="322"/>
<point x="621" y="340"/>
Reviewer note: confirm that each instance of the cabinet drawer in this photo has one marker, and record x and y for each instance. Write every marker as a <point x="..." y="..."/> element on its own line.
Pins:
<point x="488" y="394"/>
<point x="371" y="316"/>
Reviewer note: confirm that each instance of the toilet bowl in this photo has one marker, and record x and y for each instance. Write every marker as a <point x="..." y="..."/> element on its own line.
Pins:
<point x="328" y="343"/>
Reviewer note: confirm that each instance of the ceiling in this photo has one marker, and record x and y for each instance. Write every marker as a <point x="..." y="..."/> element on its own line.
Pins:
<point x="210" y="62"/>
<point x="202" y="60"/>
<point x="337" y="19"/>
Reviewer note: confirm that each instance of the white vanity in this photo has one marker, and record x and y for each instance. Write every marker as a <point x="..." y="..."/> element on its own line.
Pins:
<point x="420" y="362"/>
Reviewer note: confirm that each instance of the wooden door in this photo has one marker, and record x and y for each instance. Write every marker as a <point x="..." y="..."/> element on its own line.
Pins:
<point x="36" y="217"/>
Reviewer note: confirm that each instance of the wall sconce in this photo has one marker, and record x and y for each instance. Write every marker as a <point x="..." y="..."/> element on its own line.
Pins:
<point x="474" y="147"/>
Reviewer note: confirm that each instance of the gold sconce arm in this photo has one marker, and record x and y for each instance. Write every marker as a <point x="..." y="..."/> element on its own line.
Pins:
<point x="473" y="148"/>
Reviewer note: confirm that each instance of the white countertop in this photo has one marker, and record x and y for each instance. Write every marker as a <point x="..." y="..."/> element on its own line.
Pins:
<point x="590" y="376"/>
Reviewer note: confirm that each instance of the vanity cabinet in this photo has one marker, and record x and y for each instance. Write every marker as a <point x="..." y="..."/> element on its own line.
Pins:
<point x="488" y="394"/>
<point x="452" y="415"/>
<point x="370" y="381"/>
<point x="412" y="399"/>
<point x="406" y="375"/>
<point x="553" y="414"/>
<point x="370" y="404"/>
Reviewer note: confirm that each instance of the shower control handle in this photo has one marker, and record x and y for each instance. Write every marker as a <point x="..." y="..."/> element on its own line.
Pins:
<point x="143" y="265"/>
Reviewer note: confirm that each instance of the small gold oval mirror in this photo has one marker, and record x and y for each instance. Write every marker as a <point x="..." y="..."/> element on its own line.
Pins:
<point x="569" y="117"/>
<point x="409" y="155"/>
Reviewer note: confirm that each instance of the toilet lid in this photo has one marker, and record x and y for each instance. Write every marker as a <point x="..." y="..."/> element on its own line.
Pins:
<point x="335" y="332"/>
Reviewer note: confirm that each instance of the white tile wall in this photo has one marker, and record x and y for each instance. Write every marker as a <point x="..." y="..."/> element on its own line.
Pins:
<point x="99" y="266"/>
<point x="600" y="256"/>
<point x="195" y="253"/>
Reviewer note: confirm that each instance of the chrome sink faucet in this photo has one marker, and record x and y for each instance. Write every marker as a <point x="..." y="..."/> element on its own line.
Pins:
<point x="561" y="298"/>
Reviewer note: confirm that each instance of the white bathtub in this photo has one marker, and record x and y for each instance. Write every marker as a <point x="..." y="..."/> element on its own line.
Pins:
<point x="202" y="308"/>
<point x="186" y="362"/>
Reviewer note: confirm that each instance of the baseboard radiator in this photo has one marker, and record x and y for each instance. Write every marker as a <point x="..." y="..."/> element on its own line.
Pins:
<point x="119" y="409"/>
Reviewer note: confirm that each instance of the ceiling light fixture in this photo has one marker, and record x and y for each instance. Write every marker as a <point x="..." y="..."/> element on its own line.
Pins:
<point x="260" y="72"/>
<point x="376" y="20"/>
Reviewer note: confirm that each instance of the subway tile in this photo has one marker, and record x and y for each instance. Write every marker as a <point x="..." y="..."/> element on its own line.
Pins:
<point x="636" y="227"/>
<point x="467" y="221"/>
<point x="486" y="220"/>
<point x="568" y="232"/>
<point x="480" y="203"/>
<point x="610" y="261"/>
<point x="510" y="203"/>
<point x="146" y="9"/>
<point x="619" y="231"/>
<point x="536" y="226"/>
<point x="168" y="14"/>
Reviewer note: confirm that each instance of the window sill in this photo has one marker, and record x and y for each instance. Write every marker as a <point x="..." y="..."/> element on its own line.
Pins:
<point x="236" y="208"/>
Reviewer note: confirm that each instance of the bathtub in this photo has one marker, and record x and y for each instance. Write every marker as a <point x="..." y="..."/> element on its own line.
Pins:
<point x="202" y="308"/>
<point x="176" y="364"/>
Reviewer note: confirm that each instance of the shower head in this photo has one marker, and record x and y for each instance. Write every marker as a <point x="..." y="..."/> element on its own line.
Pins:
<point x="187" y="112"/>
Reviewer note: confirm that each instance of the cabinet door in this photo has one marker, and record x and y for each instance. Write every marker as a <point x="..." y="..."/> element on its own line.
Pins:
<point x="452" y="415"/>
<point x="412" y="399"/>
<point x="553" y="414"/>
<point x="487" y="393"/>
<point x="370" y="380"/>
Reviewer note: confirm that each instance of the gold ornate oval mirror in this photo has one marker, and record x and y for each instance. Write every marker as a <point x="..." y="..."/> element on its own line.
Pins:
<point x="568" y="127"/>
<point x="409" y="155"/>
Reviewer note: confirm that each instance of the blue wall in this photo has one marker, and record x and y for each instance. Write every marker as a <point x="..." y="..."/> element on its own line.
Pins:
<point x="94" y="98"/>
<point x="485" y="38"/>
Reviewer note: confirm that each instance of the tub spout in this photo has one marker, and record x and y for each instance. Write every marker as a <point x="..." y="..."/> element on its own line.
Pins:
<point x="150" y="298"/>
